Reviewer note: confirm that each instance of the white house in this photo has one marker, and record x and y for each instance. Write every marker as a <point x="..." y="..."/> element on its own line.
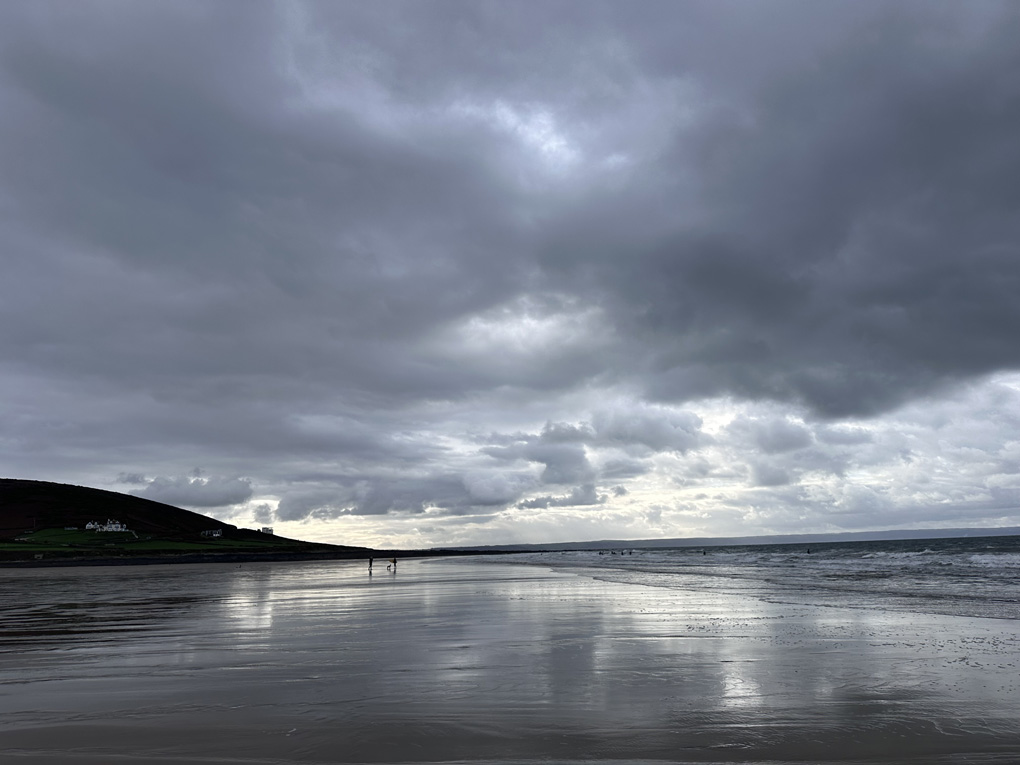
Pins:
<point x="212" y="533"/>
<point x="110" y="525"/>
<point x="266" y="529"/>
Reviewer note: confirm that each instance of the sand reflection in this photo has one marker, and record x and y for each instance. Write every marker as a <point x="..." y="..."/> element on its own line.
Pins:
<point x="249" y="602"/>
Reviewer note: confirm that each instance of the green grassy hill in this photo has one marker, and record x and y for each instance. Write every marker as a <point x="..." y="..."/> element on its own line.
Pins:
<point x="46" y="521"/>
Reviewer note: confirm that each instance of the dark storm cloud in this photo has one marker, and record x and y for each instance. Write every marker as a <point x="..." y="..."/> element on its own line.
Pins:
<point x="851" y="240"/>
<point x="318" y="243"/>
<point x="249" y="240"/>
<point x="854" y="242"/>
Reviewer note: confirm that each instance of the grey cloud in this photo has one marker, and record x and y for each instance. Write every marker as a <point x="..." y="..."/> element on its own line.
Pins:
<point x="777" y="450"/>
<point x="623" y="468"/>
<point x="562" y="432"/>
<point x="298" y="504"/>
<point x="374" y="494"/>
<point x="579" y="496"/>
<point x="658" y="429"/>
<point x="699" y="468"/>
<point x="262" y="514"/>
<point x="764" y="474"/>
<point x="843" y="436"/>
<point x="561" y="447"/>
<point x="496" y="487"/>
<point x="773" y="435"/>
<point x="136" y="479"/>
<point x="565" y="463"/>
<point x="862" y="501"/>
<point x="197" y="491"/>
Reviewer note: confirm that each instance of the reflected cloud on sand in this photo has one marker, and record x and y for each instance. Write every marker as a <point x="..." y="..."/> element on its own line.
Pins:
<point x="476" y="660"/>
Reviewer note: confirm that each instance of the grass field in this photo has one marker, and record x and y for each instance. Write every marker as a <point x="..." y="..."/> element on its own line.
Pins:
<point x="65" y="542"/>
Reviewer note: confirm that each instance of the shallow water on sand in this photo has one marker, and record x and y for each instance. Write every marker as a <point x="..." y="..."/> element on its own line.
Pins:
<point x="962" y="576"/>
<point x="476" y="660"/>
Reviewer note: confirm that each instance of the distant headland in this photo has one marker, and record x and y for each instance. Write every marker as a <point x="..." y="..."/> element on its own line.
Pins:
<point x="43" y="523"/>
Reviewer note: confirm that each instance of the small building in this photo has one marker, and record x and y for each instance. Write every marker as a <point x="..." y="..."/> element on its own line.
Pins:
<point x="212" y="533"/>
<point x="110" y="525"/>
<point x="266" y="529"/>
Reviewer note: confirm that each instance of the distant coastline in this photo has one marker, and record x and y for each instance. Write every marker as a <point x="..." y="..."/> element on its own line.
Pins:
<point x="774" y="539"/>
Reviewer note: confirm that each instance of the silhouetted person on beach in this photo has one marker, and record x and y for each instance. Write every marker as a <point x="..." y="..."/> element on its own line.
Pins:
<point x="370" y="565"/>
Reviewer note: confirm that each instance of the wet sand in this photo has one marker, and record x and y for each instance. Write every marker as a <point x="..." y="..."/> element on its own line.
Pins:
<point x="471" y="660"/>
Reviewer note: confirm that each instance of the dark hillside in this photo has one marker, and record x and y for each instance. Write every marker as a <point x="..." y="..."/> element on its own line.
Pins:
<point x="31" y="505"/>
<point x="43" y="523"/>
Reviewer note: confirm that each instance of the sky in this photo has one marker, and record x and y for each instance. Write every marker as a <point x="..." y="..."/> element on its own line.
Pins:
<point x="432" y="273"/>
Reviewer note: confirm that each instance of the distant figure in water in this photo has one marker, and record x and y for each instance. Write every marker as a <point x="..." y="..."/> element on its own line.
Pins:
<point x="809" y="551"/>
<point x="394" y="562"/>
<point x="370" y="565"/>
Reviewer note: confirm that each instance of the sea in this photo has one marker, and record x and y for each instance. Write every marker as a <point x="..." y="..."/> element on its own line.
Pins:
<point x="967" y="576"/>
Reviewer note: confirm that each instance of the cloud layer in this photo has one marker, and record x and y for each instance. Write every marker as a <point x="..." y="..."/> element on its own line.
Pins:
<point x="464" y="271"/>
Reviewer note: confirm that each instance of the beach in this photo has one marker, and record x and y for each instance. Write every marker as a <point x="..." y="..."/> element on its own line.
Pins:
<point x="484" y="660"/>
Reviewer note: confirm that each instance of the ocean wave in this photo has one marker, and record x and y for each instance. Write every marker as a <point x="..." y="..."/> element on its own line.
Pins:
<point x="966" y="577"/>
